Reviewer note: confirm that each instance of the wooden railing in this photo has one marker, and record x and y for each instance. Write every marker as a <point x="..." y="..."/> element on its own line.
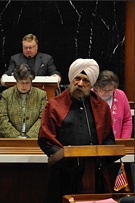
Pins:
<point x="30" y="146"/>
<point x="17" y="172"/>
<point x="19" y="146"/>
<point x="129" y="145"/>
<point x="132" y="104"/>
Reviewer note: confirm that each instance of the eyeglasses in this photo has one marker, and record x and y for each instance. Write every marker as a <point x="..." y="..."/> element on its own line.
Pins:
<point x="107" y="91"/>
<point x="30" y="47"/>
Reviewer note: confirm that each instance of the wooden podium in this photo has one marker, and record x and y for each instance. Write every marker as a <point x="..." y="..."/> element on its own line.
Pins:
<point x="47" y="83"/>
<point x="22" y="159"/>
<point x="89" y="153"/>
<point x="93" y="197"/>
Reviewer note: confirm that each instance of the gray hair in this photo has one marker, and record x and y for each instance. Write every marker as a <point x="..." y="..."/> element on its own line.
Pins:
<point x="23" y="72"/>
<point x="106" y="77"/>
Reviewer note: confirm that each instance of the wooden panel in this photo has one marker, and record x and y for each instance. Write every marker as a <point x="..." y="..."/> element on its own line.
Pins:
<point x="25" y="182"/>
<point x="88" y="154"/>
<point x="19" y="146"/>
<point x="87" y="151"/>
<point x="129" y="145"/>
<point x="30" y="146"/>
<point x="129" y="51"/>
<point x="22" y="183"/>
<point x="80" y="151"/>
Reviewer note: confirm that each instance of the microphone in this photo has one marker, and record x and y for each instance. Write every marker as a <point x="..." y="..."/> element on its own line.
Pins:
<point x="83" y="100"/>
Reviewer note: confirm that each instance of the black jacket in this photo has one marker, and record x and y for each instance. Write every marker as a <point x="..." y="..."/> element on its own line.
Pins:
<point x="43" y="64"/>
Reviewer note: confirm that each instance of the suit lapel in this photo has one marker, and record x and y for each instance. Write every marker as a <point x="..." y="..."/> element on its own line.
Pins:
<point x="22" y="59"/>
<point x="38" y="60"/>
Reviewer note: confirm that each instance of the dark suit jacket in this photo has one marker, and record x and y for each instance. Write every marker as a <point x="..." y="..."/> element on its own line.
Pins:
<point x="43" y="65"/>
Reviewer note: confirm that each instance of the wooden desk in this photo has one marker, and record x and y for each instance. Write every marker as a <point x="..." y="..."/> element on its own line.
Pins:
<point x="49" y="84"/>
<point x="88" y="197"/>
<point x="30" y="146"/>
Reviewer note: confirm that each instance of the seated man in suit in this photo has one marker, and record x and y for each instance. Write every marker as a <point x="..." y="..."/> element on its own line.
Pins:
<point x="42" y="63"/>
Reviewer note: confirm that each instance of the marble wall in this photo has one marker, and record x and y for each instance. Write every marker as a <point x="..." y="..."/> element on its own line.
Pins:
<point x="66" y="30"/>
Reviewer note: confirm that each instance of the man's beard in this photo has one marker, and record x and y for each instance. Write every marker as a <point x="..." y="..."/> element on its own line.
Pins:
<point x="78" y="92"/>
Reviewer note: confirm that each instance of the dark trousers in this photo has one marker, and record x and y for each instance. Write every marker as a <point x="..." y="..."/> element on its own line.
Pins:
<point x="62" y="180"/>
<point x="66" y="178"/>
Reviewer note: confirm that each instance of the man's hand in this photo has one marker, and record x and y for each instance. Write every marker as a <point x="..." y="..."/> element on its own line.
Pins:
<point x="3" y="83"/>
<point x="59" y="78"/>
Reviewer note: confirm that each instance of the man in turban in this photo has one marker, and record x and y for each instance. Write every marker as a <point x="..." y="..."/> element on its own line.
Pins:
<point x="77" y="116"/>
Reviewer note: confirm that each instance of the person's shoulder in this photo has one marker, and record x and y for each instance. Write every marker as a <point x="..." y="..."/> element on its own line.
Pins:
<point x="39" y="91"/>
<point x="43" y="55"/>
<point x="16" y="55"/>
<point x="36" y="89"/>
<point x="120" y="92"/>
<point x="95" y="96"/>
<point x="8" y="91"/>
<point x="62" y="99"/>
<point x="98" y="100"/>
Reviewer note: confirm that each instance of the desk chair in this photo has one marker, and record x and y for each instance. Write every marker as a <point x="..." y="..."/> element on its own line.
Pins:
<point x="127" y="199"/>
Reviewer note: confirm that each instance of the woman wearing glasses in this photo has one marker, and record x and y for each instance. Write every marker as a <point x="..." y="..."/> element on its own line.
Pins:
<point x="106" y="87"/>
<point x="21" y="106"/>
